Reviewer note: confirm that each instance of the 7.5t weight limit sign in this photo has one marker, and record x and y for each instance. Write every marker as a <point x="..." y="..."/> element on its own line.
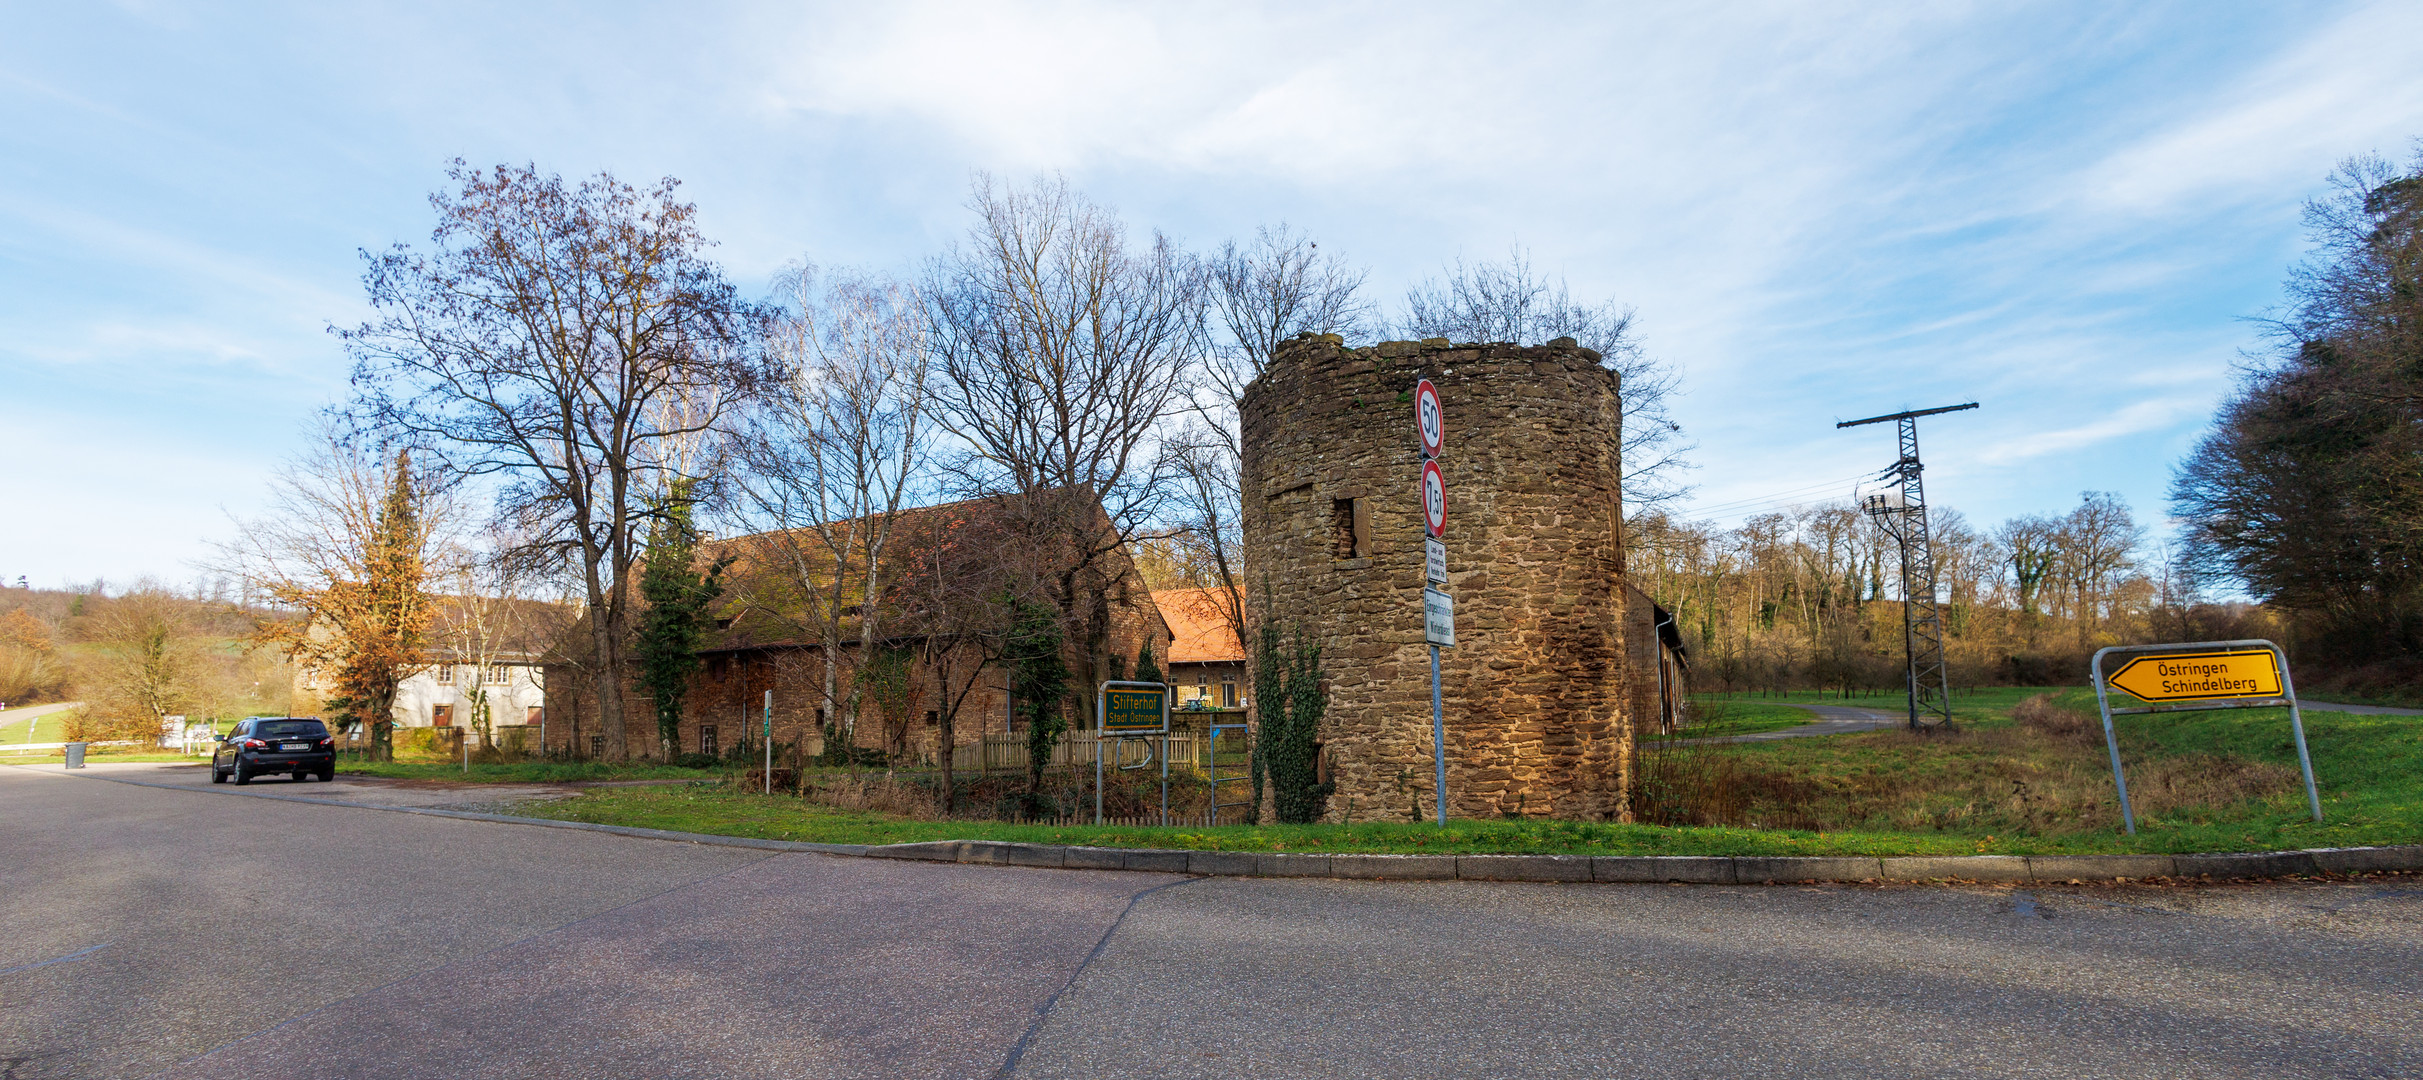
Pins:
<point x="1434" y="500"/>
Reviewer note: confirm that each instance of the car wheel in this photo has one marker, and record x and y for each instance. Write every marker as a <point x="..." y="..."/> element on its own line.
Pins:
<point x="328" y="775"/>
<point x="238" y="774"/>
<point x="216" y="776"/>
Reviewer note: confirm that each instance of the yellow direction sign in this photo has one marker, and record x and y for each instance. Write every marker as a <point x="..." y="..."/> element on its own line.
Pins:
<point x="2244" y="673"/>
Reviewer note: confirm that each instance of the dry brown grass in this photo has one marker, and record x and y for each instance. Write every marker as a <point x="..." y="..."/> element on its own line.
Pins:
<point x="876" y="794"/>
<point x="2046" y="774"/>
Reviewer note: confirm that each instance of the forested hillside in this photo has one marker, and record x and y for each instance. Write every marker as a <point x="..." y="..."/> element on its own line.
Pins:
<point x="136" y="654"/>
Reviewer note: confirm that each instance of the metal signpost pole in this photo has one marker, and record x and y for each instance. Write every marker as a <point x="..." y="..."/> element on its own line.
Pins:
<point x="2103" y="701"/>
<point x="1430" y="426"/>
<point x="769" y="732"/>
<point x="1438" y="736"/>
<point x="2296" y="725"/>
<point x="1101" y="715"/>
<point x="1166" y="694"/>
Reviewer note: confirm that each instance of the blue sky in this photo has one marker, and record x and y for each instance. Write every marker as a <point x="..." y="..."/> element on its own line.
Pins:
<point x="1821" y="213"/>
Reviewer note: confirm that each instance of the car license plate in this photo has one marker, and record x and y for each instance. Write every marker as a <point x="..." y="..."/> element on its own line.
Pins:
<point x="293" y="747"/>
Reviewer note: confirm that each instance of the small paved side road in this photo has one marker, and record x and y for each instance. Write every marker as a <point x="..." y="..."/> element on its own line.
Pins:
<point x="181" y="932"/>
<point x="1831" y="720"/>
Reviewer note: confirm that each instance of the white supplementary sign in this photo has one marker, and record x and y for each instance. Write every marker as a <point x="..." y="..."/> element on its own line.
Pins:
<point x="1434" y="499"/>
<point x="1434" y="561"/>
<point x="1438" y="618"/>
<point x="1427" y="417"/>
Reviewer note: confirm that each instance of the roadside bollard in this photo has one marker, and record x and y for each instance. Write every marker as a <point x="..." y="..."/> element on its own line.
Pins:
<point x="75" y="755"/>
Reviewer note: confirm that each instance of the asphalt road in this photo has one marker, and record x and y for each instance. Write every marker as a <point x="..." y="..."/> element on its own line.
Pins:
<point x="200" y="933"/>
<point x="1831" y="720"/>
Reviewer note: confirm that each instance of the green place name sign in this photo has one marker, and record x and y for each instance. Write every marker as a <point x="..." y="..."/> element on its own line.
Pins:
<point x="1134" y="708"/>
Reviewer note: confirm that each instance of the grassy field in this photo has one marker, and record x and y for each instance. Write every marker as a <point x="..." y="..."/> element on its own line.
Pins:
<point x="2032" y="783"/>
<point x="1986" y="702"/>
<point x="46" y="728"/>
<point x="1723" y="715"/>
<point x="1720" y="719"/>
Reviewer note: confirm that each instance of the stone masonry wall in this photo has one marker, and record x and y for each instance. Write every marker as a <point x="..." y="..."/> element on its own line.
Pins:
<point x="1535" y="691"/>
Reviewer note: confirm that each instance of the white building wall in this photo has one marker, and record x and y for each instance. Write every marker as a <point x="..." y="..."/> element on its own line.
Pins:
<point x="509" y="701"/>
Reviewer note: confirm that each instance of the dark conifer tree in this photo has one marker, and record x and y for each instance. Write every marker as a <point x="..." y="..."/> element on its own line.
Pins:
<point x="678" y="595"/>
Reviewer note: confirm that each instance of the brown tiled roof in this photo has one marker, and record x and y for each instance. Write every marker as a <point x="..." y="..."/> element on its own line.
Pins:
<point x="1199" y="633"/>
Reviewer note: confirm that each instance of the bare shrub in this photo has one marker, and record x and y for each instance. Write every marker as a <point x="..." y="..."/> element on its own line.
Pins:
<point x="2042" y="714"/>
<point x="1686" y="783"/>
<point x="30" y="667"/>
<point x="876" y="795"/>
<point x="105" y="725"/>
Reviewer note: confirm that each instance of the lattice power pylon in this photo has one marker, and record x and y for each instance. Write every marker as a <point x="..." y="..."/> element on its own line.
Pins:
<point x="1921" y="618"/>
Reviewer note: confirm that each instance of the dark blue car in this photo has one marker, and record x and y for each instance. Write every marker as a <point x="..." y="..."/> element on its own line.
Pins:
<point x="264" y="745"/>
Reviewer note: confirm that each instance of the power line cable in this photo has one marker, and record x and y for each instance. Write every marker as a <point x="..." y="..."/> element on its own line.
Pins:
<point x="1784" y="496"/>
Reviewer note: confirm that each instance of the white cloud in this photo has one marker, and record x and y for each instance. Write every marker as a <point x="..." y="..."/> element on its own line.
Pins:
<point x="2133" y="419"/>
<point x="2356" y="85"/>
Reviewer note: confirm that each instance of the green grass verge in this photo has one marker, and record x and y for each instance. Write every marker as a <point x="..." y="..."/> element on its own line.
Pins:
<point x="48" y="757"/>
<point x="723" y="811"/>
<point x="1922" y="796"/>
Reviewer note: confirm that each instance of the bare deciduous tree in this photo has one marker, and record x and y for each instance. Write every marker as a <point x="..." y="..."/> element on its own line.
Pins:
<point x="2099" y="541"/>
<point x="349" y="545"/>
<point x="838" y="447"/>
<point x="1261" y="293"/>
<point x="572" y="340"/>
<point x="1061" y="351"/>
<point x="148" y="664"/>
<point x="1508" y="301"/>
<point x="1267" y="290"/>
<point x="2308" y="490"/>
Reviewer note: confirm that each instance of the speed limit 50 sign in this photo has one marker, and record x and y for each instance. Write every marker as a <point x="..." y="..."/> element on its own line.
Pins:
<point x="1427" y="419"/>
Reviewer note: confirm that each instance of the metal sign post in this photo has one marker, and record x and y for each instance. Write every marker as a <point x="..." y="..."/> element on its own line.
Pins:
<point x="770" y="742"/>
<point x="2207" y="675"/>
<point x="1126" y="710"/>
<point x="1438" y="608"/>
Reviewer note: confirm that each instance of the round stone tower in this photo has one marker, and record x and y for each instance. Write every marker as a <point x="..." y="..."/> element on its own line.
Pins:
<point x="1535" y="686"/>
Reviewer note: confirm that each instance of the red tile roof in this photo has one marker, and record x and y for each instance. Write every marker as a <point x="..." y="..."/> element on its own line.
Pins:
<point x="1199" y="633"/>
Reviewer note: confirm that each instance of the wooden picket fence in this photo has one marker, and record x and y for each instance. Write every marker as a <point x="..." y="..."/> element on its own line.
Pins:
<point x="1006" y="751"/>
<point x="1190" y="818"/>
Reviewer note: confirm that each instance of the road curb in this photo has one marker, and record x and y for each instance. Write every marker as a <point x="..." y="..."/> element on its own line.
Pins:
<point x="1662" y="869"/>
<point x="1638" y="869"/>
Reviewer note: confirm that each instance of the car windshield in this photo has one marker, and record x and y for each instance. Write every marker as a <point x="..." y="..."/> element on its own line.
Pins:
<point x="288" y="729"/>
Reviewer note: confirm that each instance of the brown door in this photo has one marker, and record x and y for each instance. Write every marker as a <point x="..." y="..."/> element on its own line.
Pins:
<point x="441" y="716"/>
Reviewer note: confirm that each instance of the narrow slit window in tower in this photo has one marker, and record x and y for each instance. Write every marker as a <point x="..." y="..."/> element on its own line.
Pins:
<point x="1350" y="529"/>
